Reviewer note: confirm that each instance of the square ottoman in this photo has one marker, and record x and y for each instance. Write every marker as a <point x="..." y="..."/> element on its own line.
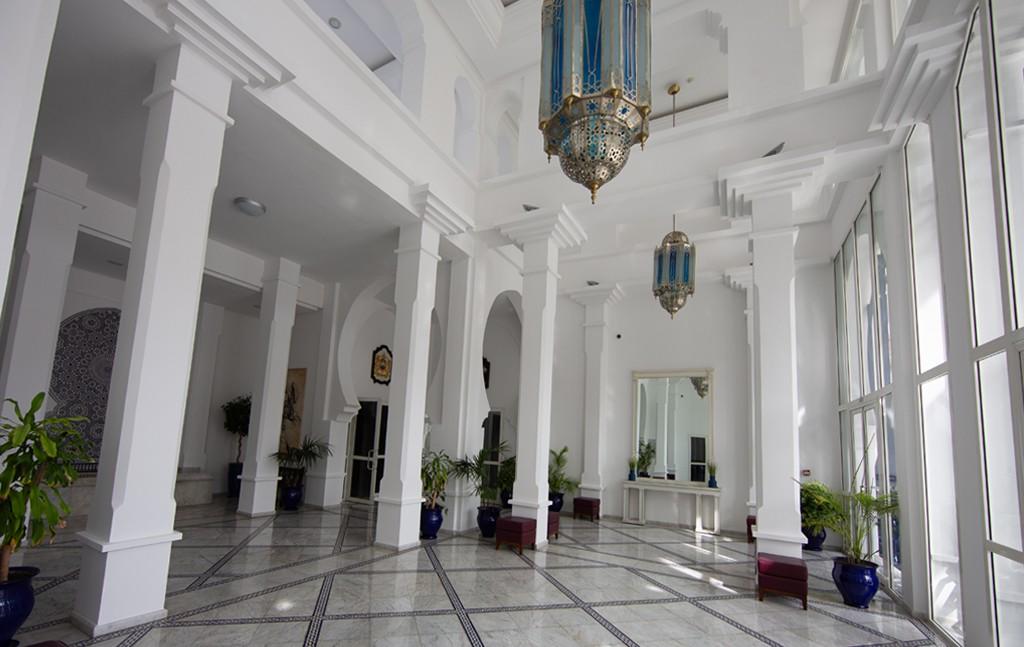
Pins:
<point x="586" y="506"/>
<point x="782" y="575"/>
<point x="552" y="524"/>
<point x="516" y="531"/>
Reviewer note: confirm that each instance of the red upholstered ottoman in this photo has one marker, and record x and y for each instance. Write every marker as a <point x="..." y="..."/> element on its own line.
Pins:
<point x="516" y="531"/>
<point x="552" y="524"/>
<point x="583" y="505"/>
<point x="782" y="575"/>
<point x="751" y="522"/>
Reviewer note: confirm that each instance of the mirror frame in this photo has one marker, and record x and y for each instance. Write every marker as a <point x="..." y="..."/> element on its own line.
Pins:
<point x="693" y="372"/>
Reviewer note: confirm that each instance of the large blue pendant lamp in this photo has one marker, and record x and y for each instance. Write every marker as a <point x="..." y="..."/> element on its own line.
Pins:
<point x="674" y="270"/>
<point x="595" y="95"/>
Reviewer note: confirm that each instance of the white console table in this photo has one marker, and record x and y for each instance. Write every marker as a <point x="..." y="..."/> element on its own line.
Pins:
<point x="638" y="489"/>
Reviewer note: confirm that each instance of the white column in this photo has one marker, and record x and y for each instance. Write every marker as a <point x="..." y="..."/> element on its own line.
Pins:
<point x="595" y="301"/>
<point x="258" y="496"/>
<point x="200" y="387"/>
<point x="662" y="392"/>
<point x="752" y="367"/>
<point x="778" y="514"/>
<point x="876" y="21"/>
<point x="26" y="34"/>
<point x="325" y="482"/>
<point x="541" y="234"/>
<point x="401" y="491"/>
<point x="47" y="236"/>
<point x="127" y="542"/>
<point x="459" y="432"/>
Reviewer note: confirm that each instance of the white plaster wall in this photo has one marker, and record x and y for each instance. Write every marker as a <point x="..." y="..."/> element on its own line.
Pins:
<point x="710" y="332"/>
<point x="87" y="290"/>
<point x="817" y="399"/>
<point x="567" y="387"/>
<point x="304" y="354"/>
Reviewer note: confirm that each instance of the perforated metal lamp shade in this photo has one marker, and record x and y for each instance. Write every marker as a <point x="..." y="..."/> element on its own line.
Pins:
<point x="595" y="94"/>
<point x="674" y="271"/>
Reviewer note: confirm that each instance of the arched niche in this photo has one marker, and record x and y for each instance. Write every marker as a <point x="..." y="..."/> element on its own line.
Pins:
<point x="465" y="140"/>
<point x="502" y="351"/>
<point x="387" y="36"/>
<point x="503" y="131"/>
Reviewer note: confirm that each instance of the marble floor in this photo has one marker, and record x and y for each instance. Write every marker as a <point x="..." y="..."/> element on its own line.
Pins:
<point x="314" y="578"/>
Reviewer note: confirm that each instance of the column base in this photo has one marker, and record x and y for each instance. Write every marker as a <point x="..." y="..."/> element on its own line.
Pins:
<point x="123" y="583"/>
<point x="780" y="543"/>
<point x="592" y="491"/>
<point x="398" y="522"/>
<point x="461" y="514"/>
<point x="325" y="490"/>
<point x="258" y="497"/>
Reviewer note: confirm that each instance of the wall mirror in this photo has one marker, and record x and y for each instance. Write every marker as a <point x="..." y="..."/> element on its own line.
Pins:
<point x="672" y="424"/>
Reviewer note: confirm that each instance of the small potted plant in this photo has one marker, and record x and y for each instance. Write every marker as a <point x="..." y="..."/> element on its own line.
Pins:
<point x="236" y="420"/>
<point x="645" y="458"/>
<point x="854" y="574"/>
<point x="293" y="462"/>
<point x="435" y="471"/>
<point x="712" y="474"/>
<point x="558" y="483"/>
<point x="39" y="459"/>
<point x="633" y="460"/>
<point x="819" y="509"/>
<point x="507" y="480"/>
<point x="477" y="470"/>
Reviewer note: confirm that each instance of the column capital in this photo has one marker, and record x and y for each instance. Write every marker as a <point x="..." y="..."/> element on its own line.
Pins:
<point x="557" y="224"/>
<point x="438" y="213"/>
<point x="597" y="295"/>
<point x="798" y="173"/>
<point x="921" y="65"/>
<point x="283" y="270"/>
<point x="739" y="278"/>
<point x="199" y="24"/>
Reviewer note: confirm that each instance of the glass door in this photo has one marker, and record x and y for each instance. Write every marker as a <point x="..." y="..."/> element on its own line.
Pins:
<point x="366" y="465"/>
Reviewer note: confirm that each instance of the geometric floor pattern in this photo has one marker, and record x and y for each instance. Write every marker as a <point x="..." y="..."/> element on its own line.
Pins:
<point x="314" y="578"/>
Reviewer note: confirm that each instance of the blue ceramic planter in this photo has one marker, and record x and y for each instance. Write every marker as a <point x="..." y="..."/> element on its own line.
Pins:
<point x="487" y="520"/>
<point x="557" y="500"/>
<point x="857" y="582"/>
<point x="16" y="601"/>
<point x="632" y="475"/>
<point x="713" y="482"/>
<point x="814" y="542"/>
<point x="291" y="497"/>
<point x="430" y="522"/>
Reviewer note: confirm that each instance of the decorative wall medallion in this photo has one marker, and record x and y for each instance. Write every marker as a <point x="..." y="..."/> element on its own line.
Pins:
<point x="82" y="365"/>
<point x="380" y="370"/>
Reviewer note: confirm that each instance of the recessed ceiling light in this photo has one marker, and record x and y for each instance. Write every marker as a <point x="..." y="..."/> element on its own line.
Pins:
<point x="334" y="22"/>
<point x="250" y="207"/>
<point x="592" y="283"/>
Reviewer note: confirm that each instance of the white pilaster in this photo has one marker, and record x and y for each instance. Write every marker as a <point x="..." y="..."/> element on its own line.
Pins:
<point x="778" y="514"/>
<point x="662" y="394"/>
<point x="47" y="235"/>
<point x="541" y="234"/>
<point x="26" y="34"/>
<point x="742" y="278"/>
<point x="277" y="316"/>
<point x="200" y="386"/>
<point x="127" y="542"/>
<point x="401" y="491"/>
<point x="595" y="301"/>
<point x="325" y="482"/>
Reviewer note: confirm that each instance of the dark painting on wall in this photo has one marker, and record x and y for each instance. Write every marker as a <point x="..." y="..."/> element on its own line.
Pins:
<point x="380" y="367"/>
<point x="487" y="373"/>
<point x="82" y="366"/>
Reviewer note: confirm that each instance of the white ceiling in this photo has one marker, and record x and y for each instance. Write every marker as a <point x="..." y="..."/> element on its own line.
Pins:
<point x="321" y="214"/>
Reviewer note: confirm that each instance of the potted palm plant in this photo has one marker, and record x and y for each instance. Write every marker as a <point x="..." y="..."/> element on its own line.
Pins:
<point x="558" y="482"/>
<point x="712" y="474"/>
<point x="39" y="459"/>
<point x="645" y="458"/>
<point x="819" y="509"/>
<point x="435" y="471"/>
<point x="293" y="462"/>
<point x="507" y="480"/>
<point x="236" y="420"/>
<point x="860" y="509"/>
<point x="477" y="470"/>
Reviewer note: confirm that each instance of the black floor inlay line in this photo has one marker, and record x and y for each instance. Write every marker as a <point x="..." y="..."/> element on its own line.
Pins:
<point x="316" y="623"/>
<point x="210" y="572"/>
<point x="453" y="596"/>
